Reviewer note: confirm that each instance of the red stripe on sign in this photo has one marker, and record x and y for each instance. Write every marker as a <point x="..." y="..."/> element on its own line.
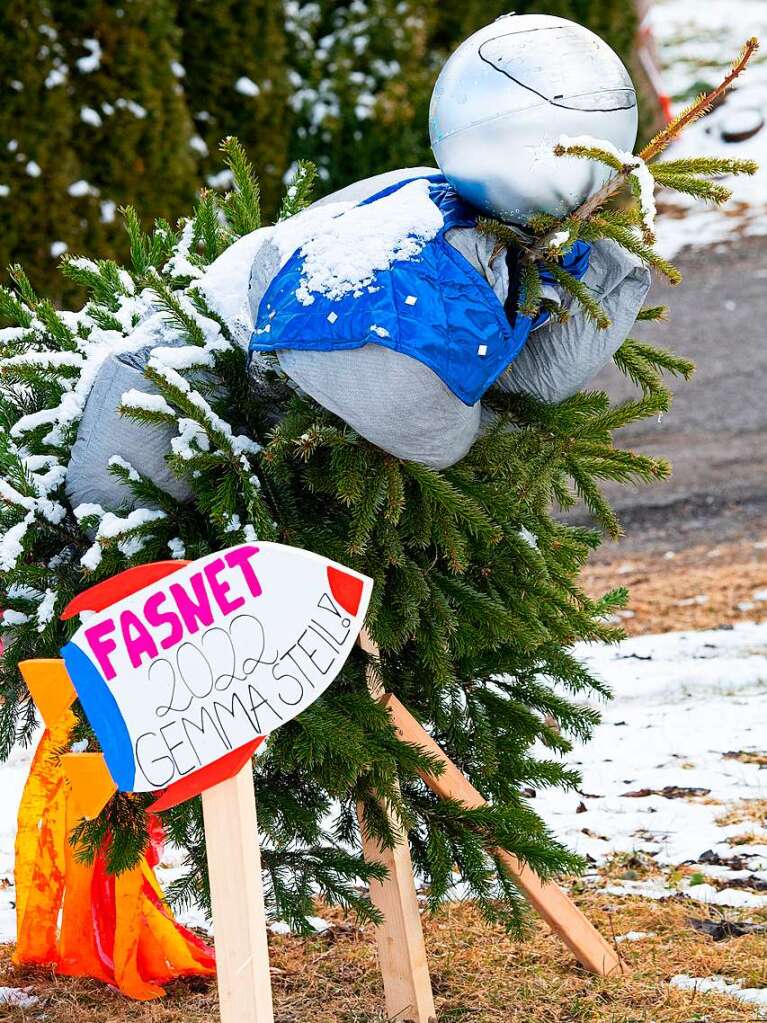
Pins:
<point x="346" y="589"/>
<point x="100" y="596"/>
<point x="196" y="782"/>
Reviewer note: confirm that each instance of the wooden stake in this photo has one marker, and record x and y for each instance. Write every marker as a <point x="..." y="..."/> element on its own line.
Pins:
<point x="547" y="898"/>
<point x="237" y="897"/>
<point x="401" y="949"/>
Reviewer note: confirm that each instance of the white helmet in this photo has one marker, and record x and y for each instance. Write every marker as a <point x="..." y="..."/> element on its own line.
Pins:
<point x="504" y="99"/>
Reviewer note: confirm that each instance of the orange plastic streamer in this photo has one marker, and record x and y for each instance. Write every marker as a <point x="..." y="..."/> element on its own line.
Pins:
<point x="78" y="918"/>
<point x="41" y="849"/>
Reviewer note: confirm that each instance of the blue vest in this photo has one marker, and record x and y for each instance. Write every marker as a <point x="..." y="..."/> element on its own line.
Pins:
<point x="435" y="307"/>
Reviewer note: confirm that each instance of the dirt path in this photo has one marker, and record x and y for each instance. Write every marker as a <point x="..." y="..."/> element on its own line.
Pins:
<point x="716" y="432"/>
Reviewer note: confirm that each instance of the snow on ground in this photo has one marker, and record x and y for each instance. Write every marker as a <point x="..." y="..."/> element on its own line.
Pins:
<point x="13" y="774"/>
<point x="697" y="42"/>
<point x="689" y="717"/>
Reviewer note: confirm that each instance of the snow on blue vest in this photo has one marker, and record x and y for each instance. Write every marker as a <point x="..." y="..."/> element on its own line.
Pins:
<point x="431" y="305"/>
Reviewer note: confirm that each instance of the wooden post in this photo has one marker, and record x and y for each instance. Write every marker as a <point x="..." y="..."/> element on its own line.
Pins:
<point x="557" y="909"/>
<point x="401" y="949"/>
<point x="237" y="898"/>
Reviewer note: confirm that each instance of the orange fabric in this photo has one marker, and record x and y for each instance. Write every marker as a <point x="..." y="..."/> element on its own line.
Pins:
<point x="40" y="850"/>
<point x="130" y="922"/>
<point x="78" y="951"/>
<point x="115" y="929"/>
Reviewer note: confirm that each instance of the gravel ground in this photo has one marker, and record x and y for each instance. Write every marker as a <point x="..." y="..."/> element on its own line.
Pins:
<point x="715" y="433"/>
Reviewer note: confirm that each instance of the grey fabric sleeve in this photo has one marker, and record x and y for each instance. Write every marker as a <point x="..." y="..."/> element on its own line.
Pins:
<point x="560" y="358"/>
<point x="395" y="402"/>
<point x="103" y="433"/>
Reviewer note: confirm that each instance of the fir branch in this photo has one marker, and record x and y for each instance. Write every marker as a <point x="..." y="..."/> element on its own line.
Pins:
<point x="530" y="290"/>
<point x="299" y="191"/>
<point x="580" y="292"/>
<point x="241" y="206"/>
<point x="606" y="225"/>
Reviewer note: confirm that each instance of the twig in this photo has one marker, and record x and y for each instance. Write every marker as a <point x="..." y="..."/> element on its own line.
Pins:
<point x="701" y="104"/>
<point x="655" y="146"/>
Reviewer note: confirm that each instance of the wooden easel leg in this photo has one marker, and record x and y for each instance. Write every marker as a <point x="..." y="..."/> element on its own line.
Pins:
<point x="401" y="949"/>
<point x="237" y="896"/>
<point x="557" y="909"/>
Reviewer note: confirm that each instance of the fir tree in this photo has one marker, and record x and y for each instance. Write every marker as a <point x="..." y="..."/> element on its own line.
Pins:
<point x="38" y="220"/>
<point x="236" y="80"/>
<point x="476" y="603"/>
<point x="131" y="128"/>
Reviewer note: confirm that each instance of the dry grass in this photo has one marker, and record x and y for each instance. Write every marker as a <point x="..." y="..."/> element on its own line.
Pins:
<point x="478" y="973"/>
<point x="699" y="588"/>
<point x="745" y="810"/>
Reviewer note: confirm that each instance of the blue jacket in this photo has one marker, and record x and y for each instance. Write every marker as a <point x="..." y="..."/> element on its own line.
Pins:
<point x="435" y="307"/>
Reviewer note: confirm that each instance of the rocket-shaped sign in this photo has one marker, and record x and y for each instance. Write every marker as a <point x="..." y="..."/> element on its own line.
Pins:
<point x="183" y="668"/>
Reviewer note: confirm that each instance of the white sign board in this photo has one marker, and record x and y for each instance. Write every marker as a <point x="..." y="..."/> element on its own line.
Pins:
<point x="202" y="662"/>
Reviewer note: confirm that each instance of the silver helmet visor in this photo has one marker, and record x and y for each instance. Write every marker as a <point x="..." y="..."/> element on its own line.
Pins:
<point x="581" y="79"/>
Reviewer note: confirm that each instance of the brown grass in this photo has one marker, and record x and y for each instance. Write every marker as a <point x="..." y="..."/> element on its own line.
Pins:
<point x="666" y="592"/>
<point x="478" y="972"/>
<point x="745" y="810"/>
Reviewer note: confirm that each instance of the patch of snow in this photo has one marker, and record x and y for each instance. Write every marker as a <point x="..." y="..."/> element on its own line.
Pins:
<point x="177" y="548"/>
<point x="280" y="927"/>
<point x="639" y="171"/>
<point x="146" y="402"/>
<point x="224" y="283"/>
<point x="132" y="107"/>
<point x="198" y="145"/>
<point x="45" y="609"/>
<point x="344" y="255"/>
<point x="720" y="986"/>
<point x="179" y="264"/>
<point x="108" y="211"/>
<point x="697" y="43"/>
<point x="681" y="702"/>
<point x="559" y="239"/>
<point x="87" y="65"/>
<point x="33" y="169"/>
<point x="246" y="86"/>
<point x="58" y="249"/>
<point x="635" y="936"/>
<point x="18" y="997"/>
<point x="56" y="76"/>
<point x="90" y="116"/>
<point x="191" y="440"/>
<point x="223" y="179"/>
<point x="123" y="464"/>
<point x="11" y="617"/>
<point x="80" y="188"/>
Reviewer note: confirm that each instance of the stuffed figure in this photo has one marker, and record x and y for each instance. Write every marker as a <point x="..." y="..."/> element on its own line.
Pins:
<point x="387" y="305"/>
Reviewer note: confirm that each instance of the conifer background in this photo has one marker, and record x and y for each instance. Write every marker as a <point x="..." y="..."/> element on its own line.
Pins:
<point x="346" y="85"/>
